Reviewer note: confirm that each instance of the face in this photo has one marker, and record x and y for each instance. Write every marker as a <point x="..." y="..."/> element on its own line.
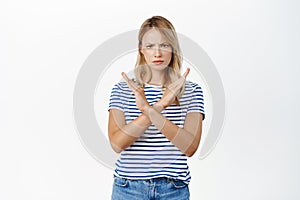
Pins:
<point x="156" y="50"/>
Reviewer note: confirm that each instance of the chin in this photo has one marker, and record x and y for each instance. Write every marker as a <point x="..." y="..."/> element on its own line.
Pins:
<point x="158" y="67"/>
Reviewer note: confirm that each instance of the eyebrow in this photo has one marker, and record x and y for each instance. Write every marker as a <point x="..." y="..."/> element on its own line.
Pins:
<point x="155" y="43"/>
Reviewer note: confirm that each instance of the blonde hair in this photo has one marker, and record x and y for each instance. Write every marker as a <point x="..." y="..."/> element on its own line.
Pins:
<point x="142" y="71"/>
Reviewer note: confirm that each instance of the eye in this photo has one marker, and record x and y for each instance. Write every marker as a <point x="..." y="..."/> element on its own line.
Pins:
<point x="149" y="46"/>
<point x="165" y="45"/>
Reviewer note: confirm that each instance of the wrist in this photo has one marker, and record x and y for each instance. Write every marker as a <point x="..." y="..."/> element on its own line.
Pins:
<point x="145" y="108"/>
<point x="158" y="107"/>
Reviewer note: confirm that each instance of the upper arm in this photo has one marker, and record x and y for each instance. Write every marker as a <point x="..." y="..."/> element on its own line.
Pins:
<point x="196" y="103"/>
<point x="116" y="121"/>
<point x="117" y="97"/>
<point x="193" y="125"/>
<point x="116" y="110"/>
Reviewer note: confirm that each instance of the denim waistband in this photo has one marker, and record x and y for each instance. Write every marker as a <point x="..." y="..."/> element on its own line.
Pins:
<point x="158" y="180"/>
<point x="153" y="188"/>
<point x="151" y="180"/>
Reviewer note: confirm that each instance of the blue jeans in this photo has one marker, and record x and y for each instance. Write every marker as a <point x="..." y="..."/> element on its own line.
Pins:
<point x="150" y="189"/>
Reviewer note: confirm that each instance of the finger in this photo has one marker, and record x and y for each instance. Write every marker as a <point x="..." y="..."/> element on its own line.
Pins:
<point x="176" y="85"/>
<point x="186" y="73"/>
<point x="125" y="76"/>
<point x="127" y="80"/>
<point x="130" y="83"/>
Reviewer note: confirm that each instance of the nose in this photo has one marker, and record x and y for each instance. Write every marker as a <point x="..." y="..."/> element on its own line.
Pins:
<point x="157" y="52"/>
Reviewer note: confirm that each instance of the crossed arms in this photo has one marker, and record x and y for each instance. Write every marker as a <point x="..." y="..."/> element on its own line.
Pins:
<point x="122" y="135"/>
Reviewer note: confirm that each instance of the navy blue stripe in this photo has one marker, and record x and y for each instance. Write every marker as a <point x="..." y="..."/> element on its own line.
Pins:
<point x="160" y="163"/>
<point x="152" y="167"/>
<point x="182" y="159"/>
<point x="148" y="171"/>
<point x="150" y="150"/>
<point x="152" y="141"/>
<point x="147" y="145"/>
<point x="131" y="154"/>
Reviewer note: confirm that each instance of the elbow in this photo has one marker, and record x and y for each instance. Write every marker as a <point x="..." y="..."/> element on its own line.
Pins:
<point x="116" y="147"/>
<point x="190" y="153"/>
<point x="192" y="148"/>
<point x="117" y="150"/>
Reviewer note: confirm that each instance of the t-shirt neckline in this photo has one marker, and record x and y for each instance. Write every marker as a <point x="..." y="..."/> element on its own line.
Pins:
<point x="153" y="85"/>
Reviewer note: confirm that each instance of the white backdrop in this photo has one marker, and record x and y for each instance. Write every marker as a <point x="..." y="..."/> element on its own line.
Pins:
<point x="254" y="45"/>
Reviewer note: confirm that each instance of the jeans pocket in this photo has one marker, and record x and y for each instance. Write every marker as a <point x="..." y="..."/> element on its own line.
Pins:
<point x="178" y="183"/>
<point x="120" y="182"/>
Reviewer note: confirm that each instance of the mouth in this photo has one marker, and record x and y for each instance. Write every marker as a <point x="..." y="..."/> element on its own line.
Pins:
<point x="158" y="62"/>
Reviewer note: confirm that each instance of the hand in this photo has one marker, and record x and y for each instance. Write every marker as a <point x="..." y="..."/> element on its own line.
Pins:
<point x="172" y="90"/>
<point x="140" y="98"/>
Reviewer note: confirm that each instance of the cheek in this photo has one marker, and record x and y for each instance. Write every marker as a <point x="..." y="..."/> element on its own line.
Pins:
<point x="168" y="55"/>
<point x="146" y="55"/>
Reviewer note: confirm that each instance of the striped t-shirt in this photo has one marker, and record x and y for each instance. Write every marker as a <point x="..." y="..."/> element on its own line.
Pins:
<point x="152" y="155"/>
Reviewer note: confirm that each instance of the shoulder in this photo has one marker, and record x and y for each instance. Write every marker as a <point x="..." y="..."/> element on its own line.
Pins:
<point x="121" y="89"/>
<point x="192" y="86"/>
<point x="122" y="85"/>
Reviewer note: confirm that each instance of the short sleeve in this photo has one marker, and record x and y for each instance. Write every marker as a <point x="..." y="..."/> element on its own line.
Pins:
<point x="116" y="98"/>
<point x="197" y="100"/>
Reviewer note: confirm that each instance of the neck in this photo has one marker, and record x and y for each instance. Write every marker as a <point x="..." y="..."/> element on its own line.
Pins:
<point x="157" y="78"/>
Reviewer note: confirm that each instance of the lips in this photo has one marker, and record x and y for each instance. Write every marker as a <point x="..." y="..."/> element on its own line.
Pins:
<point x="158" y="61"/>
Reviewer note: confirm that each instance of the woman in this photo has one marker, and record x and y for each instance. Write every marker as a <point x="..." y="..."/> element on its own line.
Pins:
<point x="155" y="120"/>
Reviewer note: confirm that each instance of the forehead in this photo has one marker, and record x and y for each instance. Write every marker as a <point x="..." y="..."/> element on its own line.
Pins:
<point x="153" y="36"/>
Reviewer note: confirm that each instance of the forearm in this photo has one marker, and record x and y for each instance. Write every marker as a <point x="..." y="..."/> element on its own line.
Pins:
<point x="127" y="134"/>
<point x="180" y="137"/>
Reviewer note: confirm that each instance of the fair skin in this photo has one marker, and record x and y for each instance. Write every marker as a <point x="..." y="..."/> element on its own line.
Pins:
<point x="156" y="48"/>
<point x="153" y="48"/>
